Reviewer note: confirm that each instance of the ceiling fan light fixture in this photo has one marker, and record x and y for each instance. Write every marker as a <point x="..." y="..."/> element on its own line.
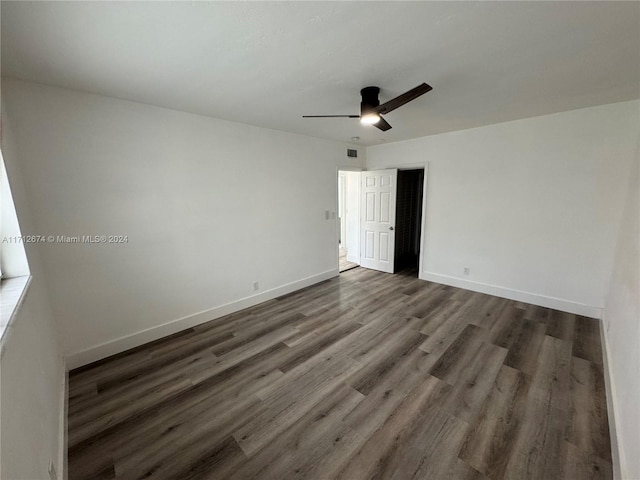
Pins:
<point x="370" y="118"/>
<point x="371" y="111"/>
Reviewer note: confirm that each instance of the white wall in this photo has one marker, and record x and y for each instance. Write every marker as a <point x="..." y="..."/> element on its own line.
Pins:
<point x="622" y="320"/>
<point x="208" y="206"/>
<point x="32" y="392"/>
<point x="531" y="206"/>
<point x="31" y="365"/>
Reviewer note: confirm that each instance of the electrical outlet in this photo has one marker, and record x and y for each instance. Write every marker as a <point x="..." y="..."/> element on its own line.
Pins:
<point x="467" y="270"/>
<point x="256" y="286"/>
<point x="52" y="471"/>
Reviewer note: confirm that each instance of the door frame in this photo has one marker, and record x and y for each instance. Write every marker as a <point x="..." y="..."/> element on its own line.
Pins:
<point x="339" y="169"/>
<point x="342" y="215"/>
<point x="400" y="166"/>
<point x="423" y="222"/>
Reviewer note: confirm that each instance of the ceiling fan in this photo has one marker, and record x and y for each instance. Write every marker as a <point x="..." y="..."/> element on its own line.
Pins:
<point x="370" y="109"/>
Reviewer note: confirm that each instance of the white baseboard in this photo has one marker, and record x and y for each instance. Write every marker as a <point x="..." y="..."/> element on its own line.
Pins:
<point x="609" y="384"/>
<point x="118" y="345"/>
<point x="518" y="295"/>
<point x="61" y="467"/>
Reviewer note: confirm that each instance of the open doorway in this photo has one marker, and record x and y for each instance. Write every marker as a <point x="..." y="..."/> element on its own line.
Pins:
<point x="348" y="220"/>
<point x="408" y="228"/>
<point x="380" y="219"/>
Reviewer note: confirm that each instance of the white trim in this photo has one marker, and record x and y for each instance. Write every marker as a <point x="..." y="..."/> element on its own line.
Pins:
<point x="103" y="350"/>
<point x="610" y="390"/>
<point x="518" y="295"/>
<point x="350" y="257"/>
<point x="13" y="291"/>
<point x="423" y="227"/>
<point x="61" y="468"/>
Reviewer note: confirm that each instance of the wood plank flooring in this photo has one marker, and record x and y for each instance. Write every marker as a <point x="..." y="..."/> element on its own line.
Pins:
<point x="365" y="376"/>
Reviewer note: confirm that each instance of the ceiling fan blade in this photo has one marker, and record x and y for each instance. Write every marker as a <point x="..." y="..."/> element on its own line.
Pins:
<point x="404" y="98"/>
<point x="382" y="124"/>
<point x="331" y="116"/>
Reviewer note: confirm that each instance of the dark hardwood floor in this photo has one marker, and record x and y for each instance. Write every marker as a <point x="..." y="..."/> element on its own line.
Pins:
<point x="367" y="375"/>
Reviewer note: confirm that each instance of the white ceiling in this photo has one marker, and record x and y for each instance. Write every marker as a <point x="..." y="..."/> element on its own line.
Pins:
<point x="269" y="63"/>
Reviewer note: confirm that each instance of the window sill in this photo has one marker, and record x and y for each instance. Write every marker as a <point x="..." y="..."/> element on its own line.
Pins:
<point x="12" y="293"/>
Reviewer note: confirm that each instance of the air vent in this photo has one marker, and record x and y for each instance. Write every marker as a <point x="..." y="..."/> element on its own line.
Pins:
<point x="352" y="153"/>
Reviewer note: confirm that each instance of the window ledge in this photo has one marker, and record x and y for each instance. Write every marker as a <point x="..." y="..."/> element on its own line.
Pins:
<point x="12" y="293"/>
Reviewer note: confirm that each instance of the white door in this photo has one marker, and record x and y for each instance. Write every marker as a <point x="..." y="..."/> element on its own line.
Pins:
<point x="378" y="217"/>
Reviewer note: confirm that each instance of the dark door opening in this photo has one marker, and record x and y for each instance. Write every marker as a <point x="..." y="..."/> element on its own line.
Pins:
<point x="408" y="219"/>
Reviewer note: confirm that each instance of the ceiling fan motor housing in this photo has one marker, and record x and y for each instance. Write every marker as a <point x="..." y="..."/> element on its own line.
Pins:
<point x="370" y="100"/>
